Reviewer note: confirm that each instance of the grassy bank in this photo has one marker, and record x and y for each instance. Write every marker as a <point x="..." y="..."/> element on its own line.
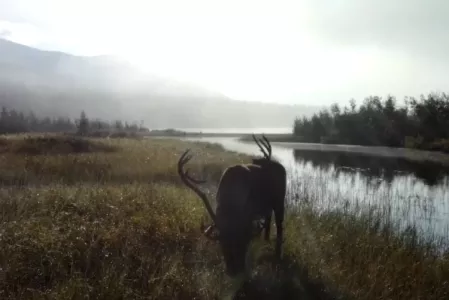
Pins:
<point x="114" y="222"/>
<point x="278" y="137"/>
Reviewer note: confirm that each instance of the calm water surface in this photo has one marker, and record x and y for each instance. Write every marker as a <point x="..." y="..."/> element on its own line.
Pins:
<point x="412" y="193"/>
<point x="239" y="130"/>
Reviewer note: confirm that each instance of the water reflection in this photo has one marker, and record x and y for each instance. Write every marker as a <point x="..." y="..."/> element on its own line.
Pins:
<point x="374" y="168"/>
<point x="412" y="193"/>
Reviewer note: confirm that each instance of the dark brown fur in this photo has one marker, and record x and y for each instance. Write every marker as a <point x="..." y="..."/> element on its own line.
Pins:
<point x="246" y="193"/>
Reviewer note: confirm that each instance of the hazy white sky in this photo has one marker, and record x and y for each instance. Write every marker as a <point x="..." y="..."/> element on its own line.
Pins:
<point x="303" y="51"/>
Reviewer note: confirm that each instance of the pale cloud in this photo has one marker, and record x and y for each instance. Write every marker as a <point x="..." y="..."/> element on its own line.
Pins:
<point x="316" y="51"/>
<point x="419" y="27"/>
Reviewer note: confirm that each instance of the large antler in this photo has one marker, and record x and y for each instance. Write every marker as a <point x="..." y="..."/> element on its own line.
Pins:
<point x="260" y="147"/>
<point x="187" y="179"/>
<point x="267" y="145"/>
<point x="264" y="143"/>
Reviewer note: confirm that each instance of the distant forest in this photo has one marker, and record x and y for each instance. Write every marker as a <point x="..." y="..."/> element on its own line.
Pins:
<point x="12" y="121"/>
<point x="422" y="124"/>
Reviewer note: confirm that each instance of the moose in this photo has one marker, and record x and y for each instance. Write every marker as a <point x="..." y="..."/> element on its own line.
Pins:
<point x="246" y="198"/>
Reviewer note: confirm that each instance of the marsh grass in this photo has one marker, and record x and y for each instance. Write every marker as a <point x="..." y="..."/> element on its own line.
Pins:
<point x="120" y="225"/>
<point x="35" y="145"/>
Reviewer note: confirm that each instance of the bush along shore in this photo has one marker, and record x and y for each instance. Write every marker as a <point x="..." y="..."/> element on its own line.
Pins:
<point x="417" y="123"/>
<point x="110" y="219"/>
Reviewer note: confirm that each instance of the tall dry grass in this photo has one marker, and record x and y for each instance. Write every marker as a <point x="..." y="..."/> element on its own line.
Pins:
<point x="115" y="222"/>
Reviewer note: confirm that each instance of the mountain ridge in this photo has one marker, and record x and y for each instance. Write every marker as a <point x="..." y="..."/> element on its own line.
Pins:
<point x="54" y="83"/>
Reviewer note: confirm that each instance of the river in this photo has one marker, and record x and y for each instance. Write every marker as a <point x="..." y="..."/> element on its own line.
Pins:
<point x="412" y="193"/>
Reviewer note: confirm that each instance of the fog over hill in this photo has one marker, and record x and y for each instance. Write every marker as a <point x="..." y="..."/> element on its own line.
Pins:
<point x="60" y="84"/>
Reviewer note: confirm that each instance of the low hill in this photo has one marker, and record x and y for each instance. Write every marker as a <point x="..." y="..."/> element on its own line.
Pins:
<point x="60" y="84"/>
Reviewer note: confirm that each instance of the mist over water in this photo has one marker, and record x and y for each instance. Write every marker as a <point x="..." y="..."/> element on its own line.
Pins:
<point x="413" y="193"/>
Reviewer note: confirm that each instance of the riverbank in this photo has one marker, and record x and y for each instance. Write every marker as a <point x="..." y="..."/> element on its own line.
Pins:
<point x="243" y="136"/>
<point x="115" y="222"/>
<point x="405" y="153"/>
<point x="293" y="142"/>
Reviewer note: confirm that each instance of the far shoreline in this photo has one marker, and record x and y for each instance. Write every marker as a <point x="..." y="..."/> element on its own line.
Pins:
<point x="287" y="140"/>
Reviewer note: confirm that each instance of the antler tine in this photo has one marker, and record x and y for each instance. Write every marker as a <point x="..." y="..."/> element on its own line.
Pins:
<point x="182" y="161"/>
<point x="263" y="143"/>
<point x="260" y="147"/>
<point x="188" y="181"/>
<point x="268" y="145"/>
<point x="196" y="181"/>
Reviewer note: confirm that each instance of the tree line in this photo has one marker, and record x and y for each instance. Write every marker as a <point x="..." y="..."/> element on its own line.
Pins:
<point x="419" y="123"/>
<point x="13" y="121"/>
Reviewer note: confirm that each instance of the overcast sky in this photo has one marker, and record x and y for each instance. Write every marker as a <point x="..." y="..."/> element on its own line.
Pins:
<point x="303" y="51"/>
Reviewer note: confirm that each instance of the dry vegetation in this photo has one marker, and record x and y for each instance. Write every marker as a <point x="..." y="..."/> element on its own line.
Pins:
<point x="114" y="222"/>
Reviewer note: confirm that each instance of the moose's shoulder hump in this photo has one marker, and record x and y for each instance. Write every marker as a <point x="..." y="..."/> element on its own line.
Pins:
<point x="251" y="167"/>
<point x="240" y="170"/>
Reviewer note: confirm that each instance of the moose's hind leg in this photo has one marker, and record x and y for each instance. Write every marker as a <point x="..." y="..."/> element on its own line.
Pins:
<point x="267" y="226"/>
<point x="279" y="219"/>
